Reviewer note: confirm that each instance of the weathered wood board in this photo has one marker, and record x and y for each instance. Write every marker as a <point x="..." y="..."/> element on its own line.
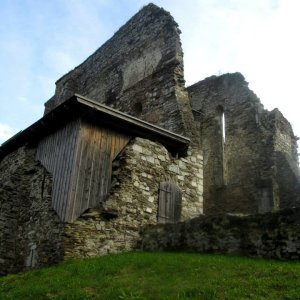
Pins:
<point x="79" y="156"/>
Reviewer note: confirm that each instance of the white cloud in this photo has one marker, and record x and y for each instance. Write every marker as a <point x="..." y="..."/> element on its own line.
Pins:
<point x="6" y="132"/>
<point x="22" y="99"/>
<point x="60" y="62"/>
<point x="254" y="37"/>
<point x="257" y="38"/>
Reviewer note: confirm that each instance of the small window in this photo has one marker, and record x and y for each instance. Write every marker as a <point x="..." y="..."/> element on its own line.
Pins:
<point x="169" y="206"/>
<point x="111" y="98"/>
<point x="137" y="109"/>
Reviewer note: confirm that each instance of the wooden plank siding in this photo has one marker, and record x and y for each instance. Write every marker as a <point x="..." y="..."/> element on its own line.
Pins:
<point x="91" y="178"/>
<point x="79" y="156"/>
<point x="56" y="152"/>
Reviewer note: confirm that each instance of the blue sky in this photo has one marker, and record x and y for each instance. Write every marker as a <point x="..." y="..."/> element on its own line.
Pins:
<point x="41" y="40"/>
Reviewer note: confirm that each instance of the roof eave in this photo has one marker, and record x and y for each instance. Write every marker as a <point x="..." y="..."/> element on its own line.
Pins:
<point x="77" y="107"/>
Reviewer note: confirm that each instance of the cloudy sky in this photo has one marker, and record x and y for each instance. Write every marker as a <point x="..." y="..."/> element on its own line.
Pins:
<point x="41" y="40"/>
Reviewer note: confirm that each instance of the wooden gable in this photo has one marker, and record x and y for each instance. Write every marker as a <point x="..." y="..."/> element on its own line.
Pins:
<point x="79" y="156"/>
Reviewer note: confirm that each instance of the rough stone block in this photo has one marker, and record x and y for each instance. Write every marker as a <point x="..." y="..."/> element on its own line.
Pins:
<point x="161" y="157"/>
<point x="137" y="148"/>
<point x="150" y="159"/>
<point x="174" y="168"/>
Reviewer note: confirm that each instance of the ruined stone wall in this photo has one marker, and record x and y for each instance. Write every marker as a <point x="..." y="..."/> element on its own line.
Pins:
<point x="134" y="199"/>
<point x="138" y="71"/>
<point x="286" y="162"/>
<point x="30" y="231"/>
<point x="241" y="173"/>
<point x="284" y="140"/>
<point x="269" y="235"/>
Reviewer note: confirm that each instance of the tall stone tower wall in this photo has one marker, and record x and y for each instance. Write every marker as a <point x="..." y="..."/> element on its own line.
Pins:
<point x="138" y="71"/>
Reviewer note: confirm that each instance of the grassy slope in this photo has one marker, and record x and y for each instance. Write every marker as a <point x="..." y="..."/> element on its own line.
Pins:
<point x="158" y="276"/>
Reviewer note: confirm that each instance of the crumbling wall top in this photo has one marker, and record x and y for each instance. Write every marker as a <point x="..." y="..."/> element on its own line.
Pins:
<point x="248" y="151"/>
<point x="138" y="71"/>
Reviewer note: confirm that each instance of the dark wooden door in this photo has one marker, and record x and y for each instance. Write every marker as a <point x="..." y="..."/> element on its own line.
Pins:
<point x="169" y="206"/>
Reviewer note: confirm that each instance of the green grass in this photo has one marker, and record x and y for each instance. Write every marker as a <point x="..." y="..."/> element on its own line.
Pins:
<point x="156" y="276"/>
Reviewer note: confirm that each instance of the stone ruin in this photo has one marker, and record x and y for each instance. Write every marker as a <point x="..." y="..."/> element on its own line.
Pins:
<point x="233" y="190"/>
<point x="250" y="154"/>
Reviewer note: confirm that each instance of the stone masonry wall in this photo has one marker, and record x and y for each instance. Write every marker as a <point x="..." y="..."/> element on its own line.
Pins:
<point x="241" y="173"/>
<point x="133" y="203"/>
<point x="286" y="162"/>
<point x="269" y="235"/>
<point x="138" y="71"/>
<point x="30" y="231"/>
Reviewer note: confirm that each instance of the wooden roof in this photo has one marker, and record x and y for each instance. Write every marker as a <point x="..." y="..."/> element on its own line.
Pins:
<point x="81" y="107"/>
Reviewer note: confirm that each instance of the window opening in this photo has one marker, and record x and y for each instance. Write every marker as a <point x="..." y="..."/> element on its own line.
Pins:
<point x="223" y="127"/>
<point x="219" y="164"/>
<point x="111" y="98"/>
<point x="137" y="109"/>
